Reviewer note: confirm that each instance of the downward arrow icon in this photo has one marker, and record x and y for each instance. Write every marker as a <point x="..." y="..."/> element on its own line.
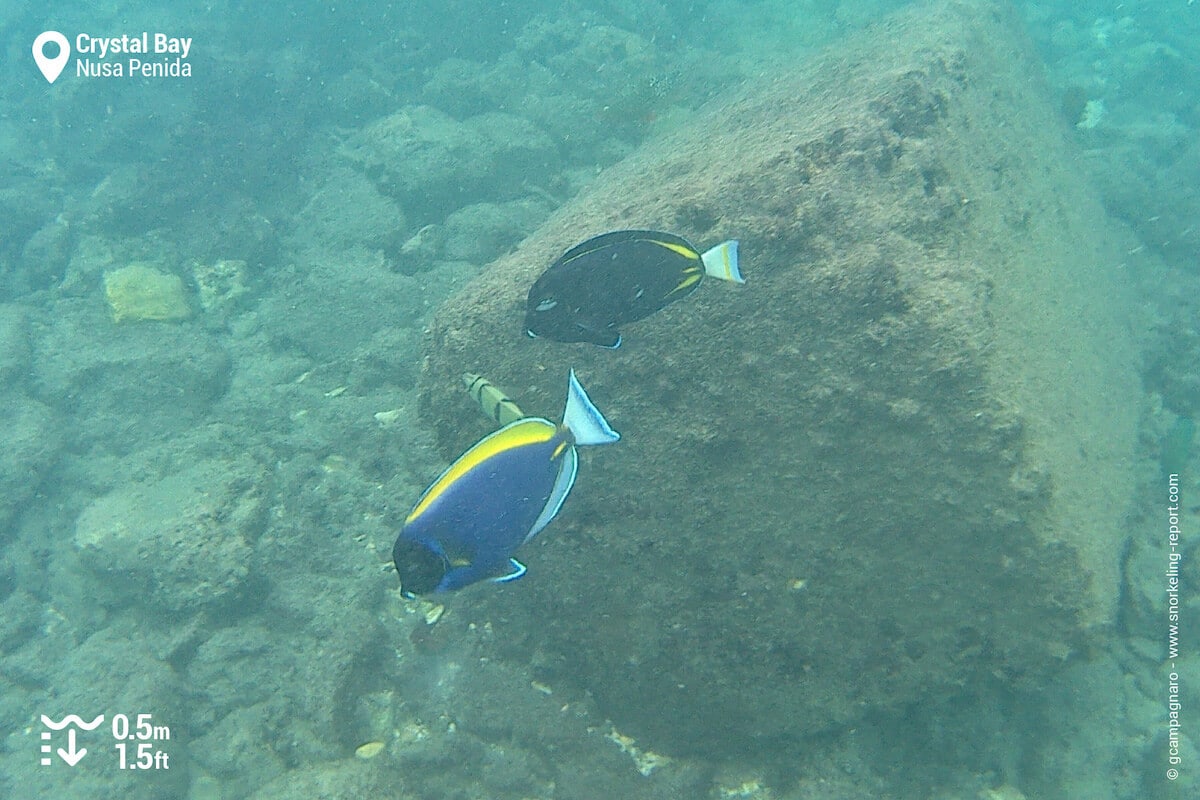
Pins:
<point x="71" y="755"/>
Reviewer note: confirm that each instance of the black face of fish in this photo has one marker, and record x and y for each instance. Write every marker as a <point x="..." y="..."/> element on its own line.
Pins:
<point x="420" y="568"/>
<point x="610" y="279"/>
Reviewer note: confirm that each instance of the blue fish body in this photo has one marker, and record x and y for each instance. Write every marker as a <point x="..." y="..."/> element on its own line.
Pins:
<point x="469" y="523"/>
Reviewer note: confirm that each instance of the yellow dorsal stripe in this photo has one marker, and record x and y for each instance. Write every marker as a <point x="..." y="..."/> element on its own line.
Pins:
<point x="585" y="253"/>
<point x="682" y="250"/>
<point x="523" y="432"/>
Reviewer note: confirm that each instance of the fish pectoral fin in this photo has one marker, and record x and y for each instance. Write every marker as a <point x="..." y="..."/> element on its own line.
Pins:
<point x="518" y="569"/>
<point x="458" y="577"/>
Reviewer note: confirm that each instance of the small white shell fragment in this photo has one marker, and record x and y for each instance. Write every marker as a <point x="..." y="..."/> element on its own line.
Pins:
<point x="433" y="612"/>
<point x="388" y="417"/>
<point x="334" y="463"/>
<point x="645" y="760"/>
<point x="369" y="750"/>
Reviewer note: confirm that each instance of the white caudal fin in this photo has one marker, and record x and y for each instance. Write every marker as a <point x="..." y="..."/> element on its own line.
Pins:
<point x="722" y="262"/>
<point x="585" y="422"/>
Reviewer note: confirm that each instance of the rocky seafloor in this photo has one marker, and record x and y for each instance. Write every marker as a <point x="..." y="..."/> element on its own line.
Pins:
<point x="196" y="511"/>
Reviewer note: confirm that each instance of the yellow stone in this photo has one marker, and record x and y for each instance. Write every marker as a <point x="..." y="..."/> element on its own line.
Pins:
<point x="139" y="292"/>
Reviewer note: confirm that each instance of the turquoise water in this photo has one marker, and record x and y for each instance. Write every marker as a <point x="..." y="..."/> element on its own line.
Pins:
<point x="217" y="278"/>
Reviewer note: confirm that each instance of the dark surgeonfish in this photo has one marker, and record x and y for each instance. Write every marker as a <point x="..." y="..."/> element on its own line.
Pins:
<point x="619" y="277"/>
<point x="494" y="498"/>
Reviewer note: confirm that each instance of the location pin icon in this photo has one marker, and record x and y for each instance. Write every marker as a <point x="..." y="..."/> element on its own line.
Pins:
<point x="51" y="67"/>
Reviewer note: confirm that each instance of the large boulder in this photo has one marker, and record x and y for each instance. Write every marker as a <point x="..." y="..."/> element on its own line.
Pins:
<point x="431" y="163"/>
<point x="122" y="386"/>
<point x="178" y="545"/>
<point x="895" y="460"/>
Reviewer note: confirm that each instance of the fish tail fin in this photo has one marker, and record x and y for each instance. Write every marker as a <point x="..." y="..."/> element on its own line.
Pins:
<point x="722" y="262"/>
<point x="585" y="422"/>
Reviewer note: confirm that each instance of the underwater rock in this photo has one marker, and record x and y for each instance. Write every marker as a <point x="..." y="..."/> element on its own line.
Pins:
<point x="133" y="383"/>
<point x="348" y="210"/>
<point x="421" y="250"/>
<point x="45" y="256"/>
<point x="349" y="779"/>
<point x="26" y="208"/>
<point x="221" y="284"/>
<point x="282" y="677"/>
<point x="239" y="747"/>
<point x="21" y="617"/>
<point x="427" y="160"/>
<point x="482" y="231"/>
<point x="14" y="344"/>
<point x="345" y="304"/>
<point x="895" y="461"/>
<point x="32" y="441"/>
<point x="237" y="668"/>
<point x="181" y="544"/>
<point x="461" y="87"/>
<point x="140" y="292"/>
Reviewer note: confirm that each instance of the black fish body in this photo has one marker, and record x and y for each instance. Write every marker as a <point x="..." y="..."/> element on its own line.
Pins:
<point x="616" y="278"/>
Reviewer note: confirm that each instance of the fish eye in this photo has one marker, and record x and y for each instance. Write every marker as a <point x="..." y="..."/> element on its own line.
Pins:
<point x="545" y="304"/>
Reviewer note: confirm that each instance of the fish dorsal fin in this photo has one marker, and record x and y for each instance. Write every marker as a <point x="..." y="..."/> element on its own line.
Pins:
<point x="599" y="243"/>
<point x="581" y="417"/>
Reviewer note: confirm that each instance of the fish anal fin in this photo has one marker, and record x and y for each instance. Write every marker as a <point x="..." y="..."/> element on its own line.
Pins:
<point x="516" y="570"/>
